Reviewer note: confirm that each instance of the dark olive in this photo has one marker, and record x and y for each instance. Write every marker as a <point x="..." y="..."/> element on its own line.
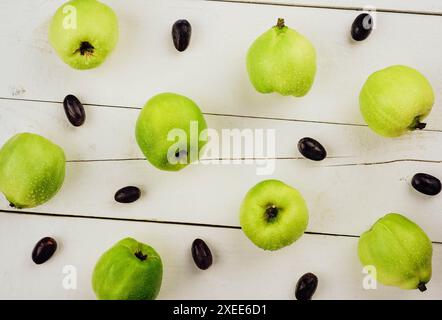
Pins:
<point x="43" y="250"/>
<point x="306" y="287"/>
<point x="426" y="184"/>
<point x="362" y="27"/>
<point x="201" y="254"/>
<point x="312" y="149"/>
<point x="128" y="194"/>
<point x="74" y="110"/>
<point x="181" y="34"/>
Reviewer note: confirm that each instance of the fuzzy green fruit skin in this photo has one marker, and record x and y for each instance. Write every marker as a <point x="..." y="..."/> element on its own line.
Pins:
<point x="160" y="115"/>
<point x="392" y="99"/>
<point x="399" y="249"/>
<point x="290" y="223"/>
<point x="32" y="170"/>
<point x="96" y="24"/>
<point x="283" y="61"/>
<point x="120" y="275"/>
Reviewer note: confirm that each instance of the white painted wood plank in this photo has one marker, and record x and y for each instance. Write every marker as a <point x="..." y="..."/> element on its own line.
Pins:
<point x="109" y="133"/>
<point x="146" y="63"/>
<point x="427" y="6"/>
<point x="240" y="270"/>
<point x="341" y="200"/>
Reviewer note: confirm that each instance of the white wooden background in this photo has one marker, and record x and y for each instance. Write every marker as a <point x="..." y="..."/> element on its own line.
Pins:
<point x="365" y="177"/>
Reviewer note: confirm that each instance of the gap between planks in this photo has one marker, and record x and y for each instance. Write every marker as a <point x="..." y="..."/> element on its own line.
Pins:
<point x="209" y="113"/>
<point x="188" y="224"/>
<point x="329" y="7"/>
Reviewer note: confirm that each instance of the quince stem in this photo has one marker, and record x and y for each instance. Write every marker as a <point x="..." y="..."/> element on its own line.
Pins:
<point x="281" y="23"/>
<point x="421" y="126"/>
<point x="86" y="49"/>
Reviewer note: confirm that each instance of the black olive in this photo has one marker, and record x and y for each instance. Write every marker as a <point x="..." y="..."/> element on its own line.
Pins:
<point x="306" y="287"/>
<point x="362" y="27"/>
<point x="201" y="254"/>
<point x="74" y="110"/>
<point x="312" y="149"/>
<point x="43" y="250"/>
<point x="181" y="34"/>
<point x="426" y="184"/>
<point x="128" y="194"/>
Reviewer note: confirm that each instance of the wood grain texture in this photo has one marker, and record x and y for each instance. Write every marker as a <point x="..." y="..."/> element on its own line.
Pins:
<point x="240" y="270"/>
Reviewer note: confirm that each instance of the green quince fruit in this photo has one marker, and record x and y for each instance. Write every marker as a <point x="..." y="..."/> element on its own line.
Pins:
<point x="171" y="131"/>
<point x="273" y="215"/>
<point x="130" y="270"/>
<point x="84" y="33"/>
<point x="32" y="170"/>
<point x="282" y="60"/>
<point x="396" y="100"/>
<point x="400" y="251"/>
